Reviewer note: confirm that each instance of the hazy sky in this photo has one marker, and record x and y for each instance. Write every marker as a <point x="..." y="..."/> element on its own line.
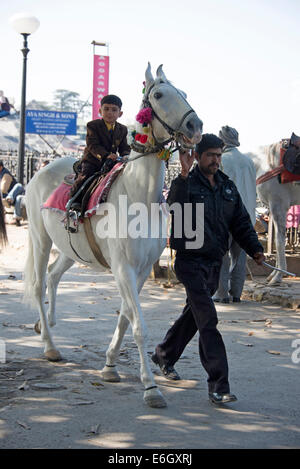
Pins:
<point x="237" y="60"/>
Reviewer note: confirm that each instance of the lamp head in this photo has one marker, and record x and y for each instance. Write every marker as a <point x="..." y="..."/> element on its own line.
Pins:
<point x="24" y="23"/>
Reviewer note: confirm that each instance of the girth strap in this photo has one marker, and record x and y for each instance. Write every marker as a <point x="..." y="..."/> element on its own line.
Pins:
<point x="270" y="174"/>
<point x="92" y="242"/>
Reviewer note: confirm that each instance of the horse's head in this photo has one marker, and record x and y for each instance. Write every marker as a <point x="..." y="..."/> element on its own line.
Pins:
<point x="173" y="117"/>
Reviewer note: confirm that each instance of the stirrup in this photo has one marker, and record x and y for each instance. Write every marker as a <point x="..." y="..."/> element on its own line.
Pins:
<point x="72" y="215"/>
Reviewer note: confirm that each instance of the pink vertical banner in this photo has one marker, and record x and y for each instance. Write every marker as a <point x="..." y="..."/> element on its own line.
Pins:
<point x="100" y="82"/>
<point x="293" y="217"/>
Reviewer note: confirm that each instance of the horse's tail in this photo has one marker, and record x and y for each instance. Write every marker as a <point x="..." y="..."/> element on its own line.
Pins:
<point x="29" y="273"/>
<point x="3" y="234"/>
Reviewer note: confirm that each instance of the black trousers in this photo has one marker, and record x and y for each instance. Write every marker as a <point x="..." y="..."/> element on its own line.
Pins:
<point x="199" y="314"/>
<point x="87" y="170"/>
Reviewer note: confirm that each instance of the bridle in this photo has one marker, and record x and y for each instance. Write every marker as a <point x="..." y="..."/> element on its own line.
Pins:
<point x="171" y="131"/>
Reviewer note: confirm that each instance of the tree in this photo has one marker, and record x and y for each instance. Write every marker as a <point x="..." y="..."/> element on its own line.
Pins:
<point x="34" y="104"/>
<point x="66" y="100"/>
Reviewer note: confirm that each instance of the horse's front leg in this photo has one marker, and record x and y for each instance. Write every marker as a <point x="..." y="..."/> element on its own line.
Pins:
<point x="279" y="218"/>
<point x="129" y="287"/>
<point x="109" y="372"/>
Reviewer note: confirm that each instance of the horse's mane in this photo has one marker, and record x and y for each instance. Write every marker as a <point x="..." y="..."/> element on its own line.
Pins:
<point x="266" y="157"/>
<point x="273" y="154"/>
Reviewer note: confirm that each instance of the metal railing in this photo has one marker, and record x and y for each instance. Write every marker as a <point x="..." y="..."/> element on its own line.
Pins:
<point x="34" y="159"/>
<point x="32" y="162"/>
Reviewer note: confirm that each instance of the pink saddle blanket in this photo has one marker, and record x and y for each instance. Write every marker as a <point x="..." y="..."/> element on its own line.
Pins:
<point x="60" y="196"/>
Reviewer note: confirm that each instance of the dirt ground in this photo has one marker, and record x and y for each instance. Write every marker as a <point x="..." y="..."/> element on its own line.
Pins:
<point x="67" y="405"/>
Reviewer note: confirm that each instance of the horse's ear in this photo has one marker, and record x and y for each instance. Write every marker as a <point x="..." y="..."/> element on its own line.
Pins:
<point x="148" y="76"/>
<point x="182" y="93"/>
<point x="160" y="73"/>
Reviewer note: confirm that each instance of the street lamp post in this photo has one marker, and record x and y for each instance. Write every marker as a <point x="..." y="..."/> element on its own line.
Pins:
<point x="24" y="24"/>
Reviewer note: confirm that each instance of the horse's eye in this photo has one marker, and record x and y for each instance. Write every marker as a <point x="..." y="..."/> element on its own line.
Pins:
<point x="157" y="95"/>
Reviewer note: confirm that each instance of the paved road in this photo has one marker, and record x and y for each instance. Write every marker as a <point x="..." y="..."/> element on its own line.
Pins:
<point x="66" y="405"/>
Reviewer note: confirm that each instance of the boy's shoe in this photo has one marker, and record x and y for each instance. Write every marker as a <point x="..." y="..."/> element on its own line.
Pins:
<point x="168" y="371"/>
<point x="223" y="398"/>
<point x="235" y="299"/>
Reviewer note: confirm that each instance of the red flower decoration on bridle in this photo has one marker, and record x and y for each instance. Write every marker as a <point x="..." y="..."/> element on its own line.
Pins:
<point x="144" y="116"/>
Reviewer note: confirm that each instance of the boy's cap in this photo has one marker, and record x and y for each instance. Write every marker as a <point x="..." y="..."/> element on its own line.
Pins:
<point x="111" y="99"/>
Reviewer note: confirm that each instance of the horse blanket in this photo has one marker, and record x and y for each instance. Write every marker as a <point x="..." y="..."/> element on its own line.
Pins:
<point x="59" y="198"/>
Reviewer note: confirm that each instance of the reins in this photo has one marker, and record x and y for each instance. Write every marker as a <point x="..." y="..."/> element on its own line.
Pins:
<point x="172" y="132"/>
<point x="166" y="126"/>
<point x="139" y="149"/>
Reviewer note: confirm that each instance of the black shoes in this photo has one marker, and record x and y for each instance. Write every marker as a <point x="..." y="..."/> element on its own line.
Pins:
<point x="168" y="371"/>
<point x="221" y="300"/>
<point x="217" y="398"/>
<point x="226" y="300"/>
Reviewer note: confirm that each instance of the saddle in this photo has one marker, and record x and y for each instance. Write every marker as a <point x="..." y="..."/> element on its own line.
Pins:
<point x="88" y="188"/>
<point x="291" y="157"/>
<point x="289" y="164"/>
<point x="96" y="193"/>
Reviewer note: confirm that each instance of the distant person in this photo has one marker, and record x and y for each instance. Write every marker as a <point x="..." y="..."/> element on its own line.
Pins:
<point x="19" y="209"/>
<point x="17" y="189"/>
<point x="7" y="180"/>
<point x="4" y="105"/>
<point x="17" y="198"/>
<point x="241" y="170"/>
<point x="106" y="139"/>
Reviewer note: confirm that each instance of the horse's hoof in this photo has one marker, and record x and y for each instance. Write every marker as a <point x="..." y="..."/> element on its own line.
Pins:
<point x="110" y="375"/>
<point x="53" y="355"/>
<point x="275" y="281"/>
<point x="37" y="327"/>
<point x="155" y="400"/>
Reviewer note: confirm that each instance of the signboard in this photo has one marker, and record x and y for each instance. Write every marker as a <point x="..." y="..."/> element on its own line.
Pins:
<point x="100" y="82"/>
<point x="50" y="122"/>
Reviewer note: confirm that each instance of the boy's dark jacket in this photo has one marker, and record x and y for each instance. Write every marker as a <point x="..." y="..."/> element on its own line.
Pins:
<point x="224" y="213"/>
<point x="100" y="143"/>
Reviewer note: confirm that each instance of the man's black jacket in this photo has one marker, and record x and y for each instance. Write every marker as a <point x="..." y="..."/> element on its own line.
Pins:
<point x="224" y="213"/>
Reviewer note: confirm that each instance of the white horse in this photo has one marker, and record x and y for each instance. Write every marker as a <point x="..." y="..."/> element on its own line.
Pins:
<point x="130" y="260"/>
<point x="278" y="198"/>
